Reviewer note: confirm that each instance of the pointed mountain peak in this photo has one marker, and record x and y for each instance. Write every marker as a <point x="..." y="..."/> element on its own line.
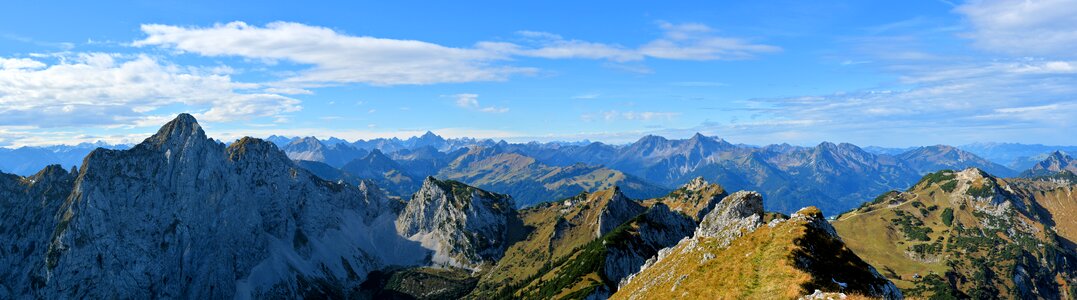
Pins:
<point x="429" y="135"/>
<point x="182" y="130"/>
<point x="1059" y="155"/>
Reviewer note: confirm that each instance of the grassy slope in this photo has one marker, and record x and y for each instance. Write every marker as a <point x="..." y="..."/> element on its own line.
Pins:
<point x="558" y="232"/>
<point x="982" y="257"/>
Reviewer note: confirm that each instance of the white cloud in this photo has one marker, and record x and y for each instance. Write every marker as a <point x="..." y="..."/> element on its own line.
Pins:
<point x="1042" y="27"/>
<point x="335" y="57"/>
<point x="471" y="101"/>
<point x="110" y="89"/>
<point x="614" y="115"/>
<point x="19" y="63"/>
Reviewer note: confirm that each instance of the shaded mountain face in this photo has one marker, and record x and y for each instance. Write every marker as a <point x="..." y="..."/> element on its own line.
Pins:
<point x="383" y="171"/>
<point x="735" y="253"/>
<point x="28" y="207"/>
<point x="1054" y="163"/>
<point x="969" y="234"/>
<point x="941" y="157"/>
<point x="181" y="215"/>
<point x="466" y="227"/>
<point x="333" y="154"/>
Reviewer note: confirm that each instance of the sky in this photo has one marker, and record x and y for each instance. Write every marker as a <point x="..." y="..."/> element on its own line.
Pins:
<point x="883" y="73"/>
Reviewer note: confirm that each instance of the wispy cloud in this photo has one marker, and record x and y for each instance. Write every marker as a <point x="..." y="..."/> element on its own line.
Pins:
<point x="471" y="101"/>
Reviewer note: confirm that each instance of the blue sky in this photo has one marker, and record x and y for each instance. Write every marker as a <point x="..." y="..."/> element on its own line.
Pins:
<point x="883" y="73"/>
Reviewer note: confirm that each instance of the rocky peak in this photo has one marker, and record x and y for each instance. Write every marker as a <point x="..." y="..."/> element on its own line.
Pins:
<point x="466" y="227"/>
<point x="736" y="215"/>
<point x="181" y="132"/>
<point x="696" y="184"/>
<point x="248" y="147"/>
<point x="695" y="198"/>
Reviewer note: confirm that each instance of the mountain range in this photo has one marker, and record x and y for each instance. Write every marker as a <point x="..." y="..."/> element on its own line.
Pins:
<point x="181" y="215"/>
<point x="833" y="177"/>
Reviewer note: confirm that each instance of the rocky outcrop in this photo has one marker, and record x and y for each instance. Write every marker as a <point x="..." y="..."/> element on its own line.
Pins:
<point x="616" y="210"/>
<point x="184" y="216"/>
<point x="736" y="215"/>
<point x="466" y="227"/>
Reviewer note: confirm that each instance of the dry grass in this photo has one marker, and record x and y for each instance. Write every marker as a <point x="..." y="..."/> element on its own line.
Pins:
<point x="755" y="266"/>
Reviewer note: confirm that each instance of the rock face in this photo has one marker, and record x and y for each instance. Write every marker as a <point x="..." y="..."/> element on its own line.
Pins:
<point x="733" y="255"/>
<point x="652" y="231"/>
<point x="183" y="216"/>
<point x="464" y="226"/>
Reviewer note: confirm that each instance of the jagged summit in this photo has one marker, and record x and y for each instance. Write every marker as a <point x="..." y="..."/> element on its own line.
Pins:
<point x="182" y="130"/>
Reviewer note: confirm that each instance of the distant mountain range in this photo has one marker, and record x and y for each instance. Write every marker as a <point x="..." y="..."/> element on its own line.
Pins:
<point x="834" y="177"/>
<point x="28" y="160"/>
